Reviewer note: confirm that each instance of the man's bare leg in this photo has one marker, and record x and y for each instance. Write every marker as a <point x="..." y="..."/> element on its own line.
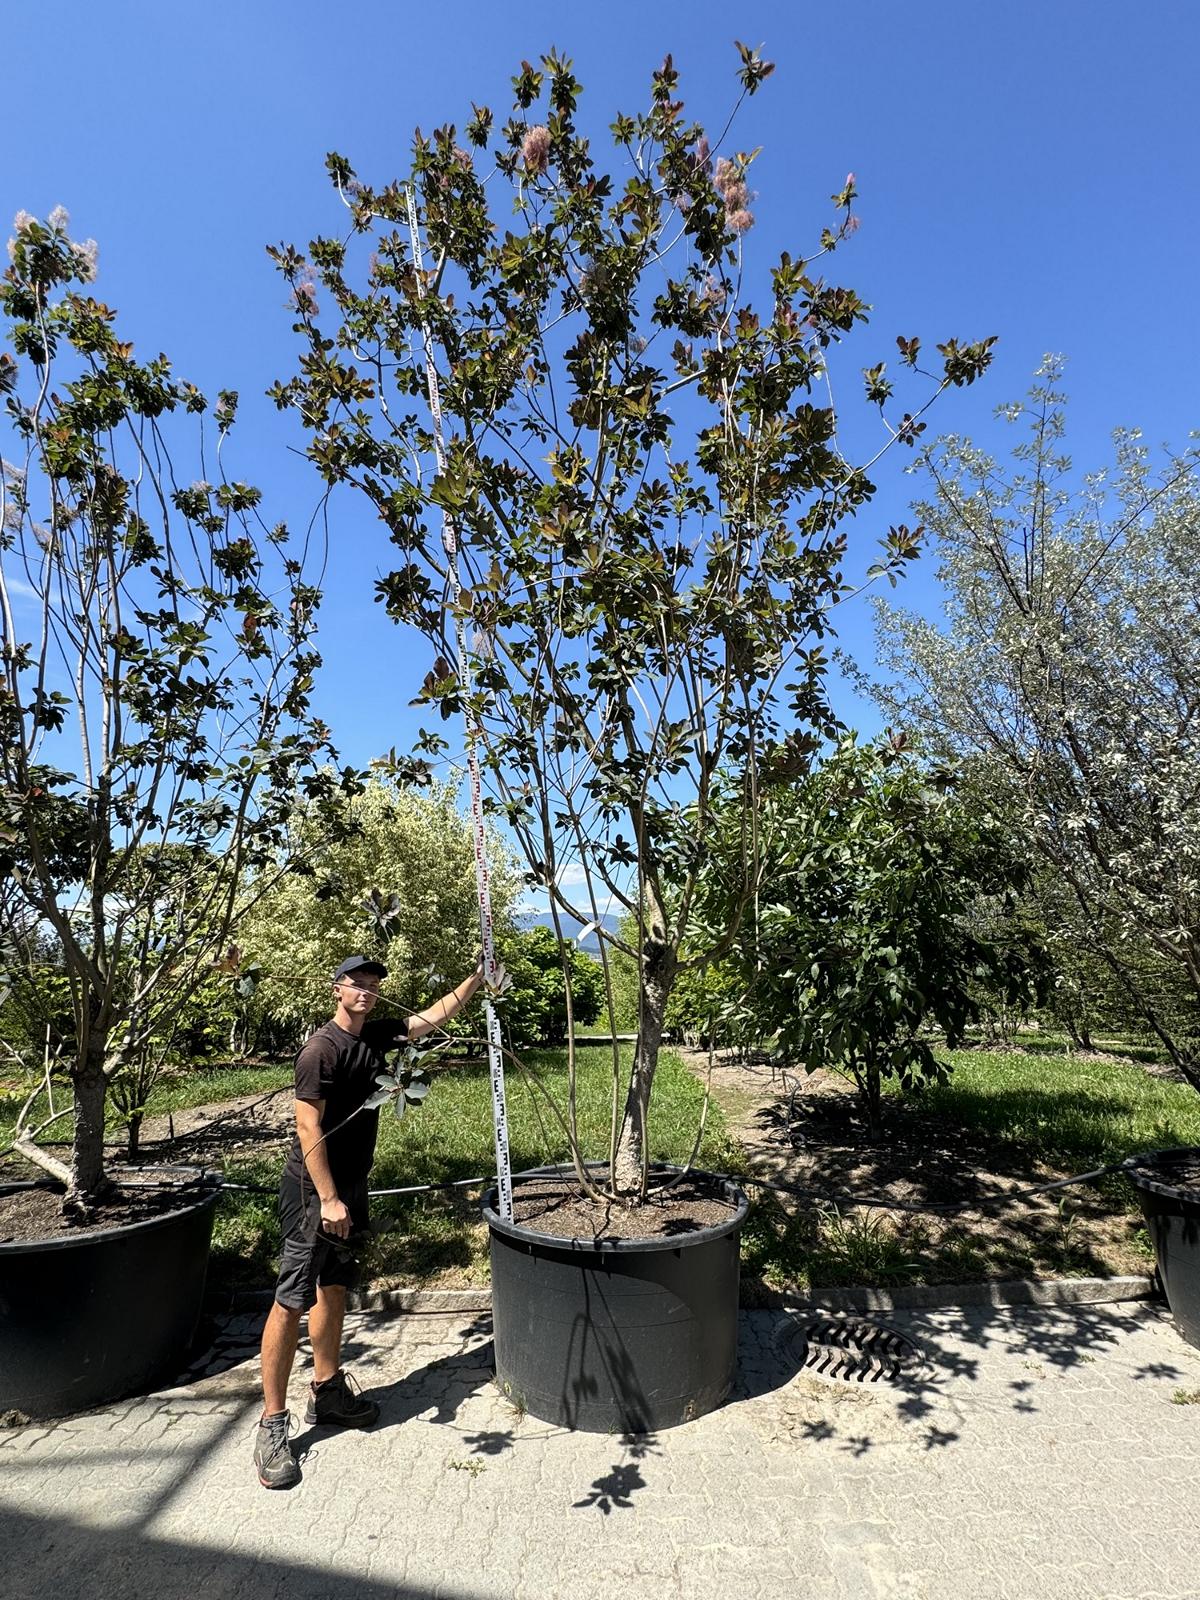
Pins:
<point x="325" y="1331"/>
<point x="280" y="1338"/>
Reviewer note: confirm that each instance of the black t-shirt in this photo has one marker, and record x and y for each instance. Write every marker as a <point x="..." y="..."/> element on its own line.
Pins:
<point x="340" y="1068"/>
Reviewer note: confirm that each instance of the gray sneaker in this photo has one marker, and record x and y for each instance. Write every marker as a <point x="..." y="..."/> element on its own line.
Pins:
<point x="339" y="1403"/>
<point x="277" y="1466"/>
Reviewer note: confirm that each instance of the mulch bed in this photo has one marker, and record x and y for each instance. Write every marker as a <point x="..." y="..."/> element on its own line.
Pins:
<point x="31" y="1215"/>
<point x="816" y="1139"/>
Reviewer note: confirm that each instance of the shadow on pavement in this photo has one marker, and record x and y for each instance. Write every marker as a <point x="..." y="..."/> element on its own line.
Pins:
<point x="922" y="1399"/>
<point x="61" y="1559"/>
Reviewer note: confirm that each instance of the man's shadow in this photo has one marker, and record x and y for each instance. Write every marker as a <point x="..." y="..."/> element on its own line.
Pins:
<point x="442" y="1386"/>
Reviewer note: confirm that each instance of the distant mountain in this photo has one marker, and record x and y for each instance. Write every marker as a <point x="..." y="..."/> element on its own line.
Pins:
<point x="570" y="927"/>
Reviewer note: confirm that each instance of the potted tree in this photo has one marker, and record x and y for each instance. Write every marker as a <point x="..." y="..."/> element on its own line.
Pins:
<point x="155" y="669"/>
<point x="617" y="490"/>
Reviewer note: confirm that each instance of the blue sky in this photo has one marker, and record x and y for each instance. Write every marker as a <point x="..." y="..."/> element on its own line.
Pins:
<point x="1025" y="169"/>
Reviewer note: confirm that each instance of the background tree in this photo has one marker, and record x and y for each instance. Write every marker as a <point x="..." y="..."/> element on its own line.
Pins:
<point x="889" y="908"/>
<point x="1070" y="662"/>
<point x="576" y="409"/>
<point x="155" y="667"/>
<point x="398" y="885"/>
<point x="535" y="1007"/>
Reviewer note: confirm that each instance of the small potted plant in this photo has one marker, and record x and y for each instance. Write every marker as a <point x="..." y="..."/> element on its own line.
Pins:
<point x="620" y="510"/>
<point x="155" y="669"/>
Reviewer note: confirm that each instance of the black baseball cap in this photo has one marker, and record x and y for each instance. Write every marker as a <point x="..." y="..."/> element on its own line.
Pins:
<point x="359" y="964"/>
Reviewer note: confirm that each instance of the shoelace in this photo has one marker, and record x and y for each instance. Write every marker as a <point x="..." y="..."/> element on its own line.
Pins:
<point x="342" y="1383"/>
<point x="279" y="1428"/>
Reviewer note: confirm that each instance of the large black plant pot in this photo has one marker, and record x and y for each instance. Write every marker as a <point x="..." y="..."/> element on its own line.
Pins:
<point x="88" y="1317"/>
<point x="1169" y="1190"/>
<point x="627" y="1336"/>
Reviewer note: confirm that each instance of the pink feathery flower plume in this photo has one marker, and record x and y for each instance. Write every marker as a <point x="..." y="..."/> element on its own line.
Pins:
<point x="86" y="257"/>
<point x="731" y="186"/>
<point x="305" y="296"/>
<point x="535" y="149"/>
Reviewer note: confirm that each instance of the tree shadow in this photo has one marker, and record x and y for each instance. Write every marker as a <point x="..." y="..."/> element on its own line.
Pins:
<point x="1059" y="1339"/>
<point x="926" y="1155"/>
<point x="59" y="1555"/>
<point x="614" y="1490"/>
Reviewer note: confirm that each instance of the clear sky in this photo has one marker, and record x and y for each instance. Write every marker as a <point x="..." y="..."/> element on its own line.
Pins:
<point x="1026" y="169"/>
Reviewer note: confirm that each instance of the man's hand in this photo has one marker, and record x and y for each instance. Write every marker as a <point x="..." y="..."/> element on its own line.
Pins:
<point x="335" y="1218"/>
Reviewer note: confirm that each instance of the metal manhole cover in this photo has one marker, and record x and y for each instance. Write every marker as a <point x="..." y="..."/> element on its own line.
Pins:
<point x="849" y="1349"/>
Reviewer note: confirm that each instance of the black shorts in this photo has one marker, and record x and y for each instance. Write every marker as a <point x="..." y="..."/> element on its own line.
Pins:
<point x="312" y="1258"/>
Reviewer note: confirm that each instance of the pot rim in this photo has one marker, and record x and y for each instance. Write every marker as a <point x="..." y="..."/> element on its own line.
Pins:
<point x="195" y="1198"/>
<point x="1140" y="1169"/>
<point x="727" y="1185"/>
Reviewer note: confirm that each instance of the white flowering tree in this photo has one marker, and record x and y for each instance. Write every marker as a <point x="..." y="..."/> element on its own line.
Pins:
<point x="1069" y="662"/>
<point x="398" y="886"/>
<point x="156" y="662"/>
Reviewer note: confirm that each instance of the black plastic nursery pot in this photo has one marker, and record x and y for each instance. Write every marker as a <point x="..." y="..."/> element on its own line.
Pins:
<point x="90" y="1316"/>
<point x="1171" y="1207"/>
<point x="625" y="1335"/>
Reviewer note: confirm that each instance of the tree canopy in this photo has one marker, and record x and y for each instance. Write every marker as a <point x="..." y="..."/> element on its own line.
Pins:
<point x="1069" y="663"/>
<point x="607" y="476"/>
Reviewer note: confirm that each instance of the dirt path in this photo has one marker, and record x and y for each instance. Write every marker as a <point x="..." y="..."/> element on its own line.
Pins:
<point x="807" y="1131"/>
<point x="250" y="1124"/>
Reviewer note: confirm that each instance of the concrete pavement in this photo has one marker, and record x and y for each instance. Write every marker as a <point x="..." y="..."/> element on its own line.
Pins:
<point x="1021" y="1454"/>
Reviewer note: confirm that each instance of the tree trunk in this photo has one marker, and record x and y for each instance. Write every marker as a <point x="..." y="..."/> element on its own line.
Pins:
<point x="657" y="980"/>
<point x="87" y="1157"/>
<point x="871" y="1085"/>
<point x="134" y="1134"/>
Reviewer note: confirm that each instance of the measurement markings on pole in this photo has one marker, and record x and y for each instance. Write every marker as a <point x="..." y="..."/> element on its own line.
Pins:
<point x="450" y="544"/>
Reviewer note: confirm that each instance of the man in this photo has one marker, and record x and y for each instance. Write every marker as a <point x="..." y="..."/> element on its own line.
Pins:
<point x="323" y="1201"/>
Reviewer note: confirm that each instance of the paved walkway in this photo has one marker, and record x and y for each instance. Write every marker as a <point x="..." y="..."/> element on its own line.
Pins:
<point x="1035" y="1455"/>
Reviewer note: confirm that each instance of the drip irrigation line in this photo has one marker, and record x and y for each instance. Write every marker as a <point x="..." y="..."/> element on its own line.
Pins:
<point x="882" y="1202"/>
<point x="946" y="1207"/>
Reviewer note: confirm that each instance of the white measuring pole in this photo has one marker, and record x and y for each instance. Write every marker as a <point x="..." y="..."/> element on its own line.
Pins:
<point x="482" y="872"/>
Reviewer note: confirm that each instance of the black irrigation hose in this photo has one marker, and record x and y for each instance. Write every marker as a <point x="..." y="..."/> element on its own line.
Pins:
<point x="422" y="1188"/>
<point x="883" y="1202"/>
<point x="945" y="1207"/>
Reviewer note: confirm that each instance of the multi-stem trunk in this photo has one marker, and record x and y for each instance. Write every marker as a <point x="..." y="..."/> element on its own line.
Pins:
<point x="659" y="962"/>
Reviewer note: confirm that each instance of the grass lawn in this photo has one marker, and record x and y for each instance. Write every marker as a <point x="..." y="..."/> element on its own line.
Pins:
<point x="420" y="1237"/>
<point x="1029" y="1108"/>
<point x="1069" y="1110"/>
<point x="1073" y="1110"/>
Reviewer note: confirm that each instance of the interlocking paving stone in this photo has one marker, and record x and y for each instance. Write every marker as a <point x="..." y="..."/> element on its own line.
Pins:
<point x="1036" y="1456"/>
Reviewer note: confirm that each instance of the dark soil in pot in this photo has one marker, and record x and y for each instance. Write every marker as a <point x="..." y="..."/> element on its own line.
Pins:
<point x="36" y="1212"/>
<point x="556" y="1205"/>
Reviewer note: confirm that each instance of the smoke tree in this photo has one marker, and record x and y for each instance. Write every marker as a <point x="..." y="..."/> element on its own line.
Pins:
<point x="155" y="670"/>
<point x="643" y="479"/>
<point x="1069" y="663"/>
